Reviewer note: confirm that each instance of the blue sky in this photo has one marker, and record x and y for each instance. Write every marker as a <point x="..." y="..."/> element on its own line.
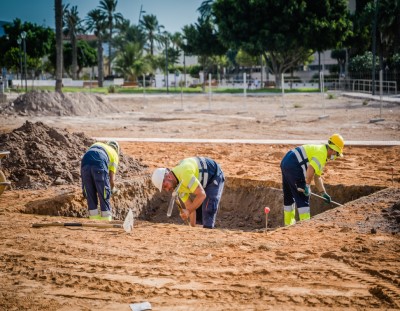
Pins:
<point x="172" y="14"/>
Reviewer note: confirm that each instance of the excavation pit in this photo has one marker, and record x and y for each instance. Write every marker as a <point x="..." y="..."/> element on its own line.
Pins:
<point x="242" y="204"/>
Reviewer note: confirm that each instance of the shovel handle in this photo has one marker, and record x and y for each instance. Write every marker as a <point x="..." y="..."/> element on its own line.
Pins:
<point x="318" y="196"/>
<point x="75" y="224"/>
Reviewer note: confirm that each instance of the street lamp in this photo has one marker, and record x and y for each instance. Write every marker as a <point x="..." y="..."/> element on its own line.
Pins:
<point x="184" y="60"/>
<point x="19" y="41"/>
<point x="23" y="36"/>
<point x="166" y="59"/>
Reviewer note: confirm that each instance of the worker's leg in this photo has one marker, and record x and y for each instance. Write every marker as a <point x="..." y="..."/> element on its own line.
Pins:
<point x="289" y="211"/>
<point x="103" y="188"/>
<point x="292" y="178"/>
<point x="89" y="190"/>
<point x="211" y="203"/>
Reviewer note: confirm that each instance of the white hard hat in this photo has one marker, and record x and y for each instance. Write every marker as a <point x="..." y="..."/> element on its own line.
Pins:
<point x="114" y="144"/>
<point x="158" y="177"/>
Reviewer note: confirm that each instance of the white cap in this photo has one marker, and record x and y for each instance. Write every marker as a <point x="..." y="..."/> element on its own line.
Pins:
<point x="158" y="177"/>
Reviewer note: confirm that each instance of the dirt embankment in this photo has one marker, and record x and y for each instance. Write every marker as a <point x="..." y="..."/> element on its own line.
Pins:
<point x="43" y="103"/>
<point x="41" y="156"/>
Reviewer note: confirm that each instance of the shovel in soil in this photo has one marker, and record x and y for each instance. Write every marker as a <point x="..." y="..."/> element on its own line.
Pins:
<point x="127" y="225"/>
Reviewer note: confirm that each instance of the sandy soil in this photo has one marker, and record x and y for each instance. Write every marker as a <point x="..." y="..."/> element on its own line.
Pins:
<point x="343" y="259"/>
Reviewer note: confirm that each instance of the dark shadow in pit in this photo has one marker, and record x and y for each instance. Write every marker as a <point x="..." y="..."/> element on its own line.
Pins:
<point x="243" y="202"/>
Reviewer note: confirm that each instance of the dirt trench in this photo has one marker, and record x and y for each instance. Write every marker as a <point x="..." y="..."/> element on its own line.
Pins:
<point x="242" y="204"/>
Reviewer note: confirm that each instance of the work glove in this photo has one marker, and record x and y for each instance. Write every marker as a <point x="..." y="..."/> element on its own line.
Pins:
<point x="115" y="191"/>
<point x="326" y="197"/>
<point x="307" y="190"/>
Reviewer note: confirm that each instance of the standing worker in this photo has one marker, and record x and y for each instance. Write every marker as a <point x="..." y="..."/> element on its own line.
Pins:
<point x="299" y="166"/>
<point x="98" y="168"/>
<point x="198" y="181"/>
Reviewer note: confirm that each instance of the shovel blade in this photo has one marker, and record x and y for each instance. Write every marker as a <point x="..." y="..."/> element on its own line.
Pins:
<point x="128" y="222"/>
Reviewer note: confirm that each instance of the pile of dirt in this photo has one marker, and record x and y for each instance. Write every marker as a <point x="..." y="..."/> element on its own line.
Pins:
<point x="45" y="103"/>
<point x="41" y="156"/>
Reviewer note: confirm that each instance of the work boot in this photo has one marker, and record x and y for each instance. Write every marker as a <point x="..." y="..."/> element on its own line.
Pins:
<point x="95" y="217"/>
<point x="289" y="213"/>
<point x="106" y="218"/>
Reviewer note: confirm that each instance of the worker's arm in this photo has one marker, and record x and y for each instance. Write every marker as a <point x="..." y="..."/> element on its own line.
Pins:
<point x="309" y="174"/>
<point x="112" y="179"/>
<point x="191" y="205"/>
<point x="319" y="183"/>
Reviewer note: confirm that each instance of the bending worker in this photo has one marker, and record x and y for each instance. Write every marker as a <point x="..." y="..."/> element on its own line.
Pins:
<point x="198" y="182"/>
<point x="299" y="166"/>
<point x="98" y="168"/>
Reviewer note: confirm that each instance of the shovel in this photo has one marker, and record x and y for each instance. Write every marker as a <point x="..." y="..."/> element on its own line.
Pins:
<point x="127" y="225"/>
<point x="318" y="196"/>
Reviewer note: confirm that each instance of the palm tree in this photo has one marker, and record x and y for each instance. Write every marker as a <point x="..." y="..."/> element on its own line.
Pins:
<point x="108" y="7"/>
<point x="95" y="22"/>
<point x="72" y="21"/>
<point x="59" y="48"/>
<point x="131" y="63"/>
<point x="150" y="25"/>
<point x="205" y="9"/>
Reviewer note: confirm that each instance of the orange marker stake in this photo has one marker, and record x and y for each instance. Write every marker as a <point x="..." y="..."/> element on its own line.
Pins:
<point x="266" y="211"/>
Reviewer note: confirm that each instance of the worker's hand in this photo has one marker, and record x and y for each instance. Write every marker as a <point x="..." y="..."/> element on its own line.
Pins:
<point x="307" y="190"/>
<point x="327" y="197"/>
<point x="184" y="214"/>
<point x="115" y="191"/>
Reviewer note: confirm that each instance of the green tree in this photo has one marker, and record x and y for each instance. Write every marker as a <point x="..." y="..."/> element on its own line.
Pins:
<point x="86" y="57"/>
<point x="71" y="30"/>
<point x="360" y="64"/>
<point x="95" y="23"/>
<point x="149" y="24"/>
<point x="203" y="41"/>
<point x="285" y="32"/>
<point x="131" y="63"/>
<point x="39" y="41"/>
<point x="108" y="9"/>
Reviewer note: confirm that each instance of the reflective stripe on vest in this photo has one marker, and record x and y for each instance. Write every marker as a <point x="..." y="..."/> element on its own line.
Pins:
<point x="203" y="172"/>
<point x="317" y="162"/>
<point x="301" y="156"/>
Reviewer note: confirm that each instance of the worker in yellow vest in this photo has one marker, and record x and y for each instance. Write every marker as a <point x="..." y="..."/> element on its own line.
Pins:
<point x="98" y="169"/>
<point x="199" y="183"/>
<point x="299" y="167"/>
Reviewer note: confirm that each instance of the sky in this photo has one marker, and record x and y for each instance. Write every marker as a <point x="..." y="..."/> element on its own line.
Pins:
<point x="172" y="14"/>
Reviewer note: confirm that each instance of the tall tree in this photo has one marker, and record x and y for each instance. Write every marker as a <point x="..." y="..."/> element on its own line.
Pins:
<point x="40" y="41"/>
<point x="286" y="32"/>
<point x="150" y="25"/>
<point x="71" y="29"/>
<point x="95" y="23"/>
<point x="203" y="41"/>
<point x="108" y="8"/>
<point x="131" y="63"/>
<point x="59" y="45"/>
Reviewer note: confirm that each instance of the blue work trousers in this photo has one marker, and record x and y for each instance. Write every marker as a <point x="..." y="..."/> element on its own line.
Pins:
<point x="96" y="181"/>
<point x="207" y="213"/>
<point x="293" y="178"/>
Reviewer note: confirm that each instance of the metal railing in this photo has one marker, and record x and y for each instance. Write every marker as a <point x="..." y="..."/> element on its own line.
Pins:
<point x="362" y="86"/>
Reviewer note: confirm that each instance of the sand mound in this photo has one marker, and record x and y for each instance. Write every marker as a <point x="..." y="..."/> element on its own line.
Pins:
<point x="46" y="103"/>
<point x="41" y="156"/>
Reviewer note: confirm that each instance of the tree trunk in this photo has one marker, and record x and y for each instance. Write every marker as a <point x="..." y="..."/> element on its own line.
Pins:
<point x="59" y="47"/>
<point x="100" y="63"/>
<point x="74" y="56"/>
<point x="109" y="50"/>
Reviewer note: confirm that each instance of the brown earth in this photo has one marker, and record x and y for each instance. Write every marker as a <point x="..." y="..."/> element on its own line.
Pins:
<point x="344" y="258"/>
